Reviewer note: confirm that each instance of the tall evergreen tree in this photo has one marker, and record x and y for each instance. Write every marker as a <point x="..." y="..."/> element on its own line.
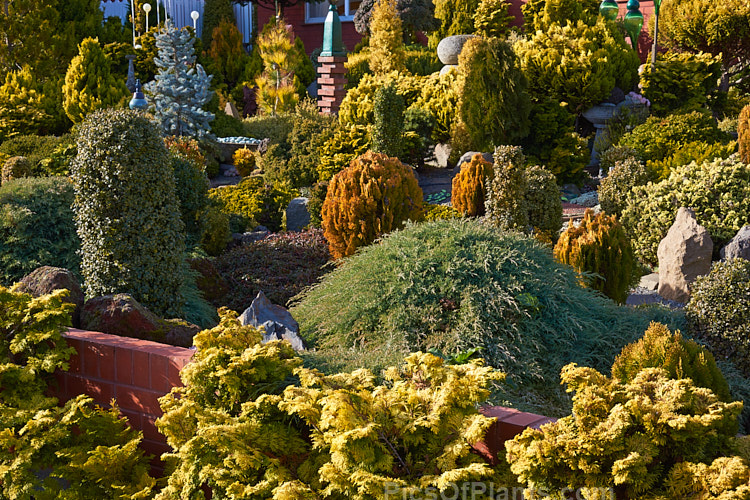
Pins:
<point x="89" y="83"/>
<point x="180" y="88"/>
<point x="28" y="36"/>
<point x="22" y="105"/>
<point x="386" y="40"/>
<point x="214" y="13"/>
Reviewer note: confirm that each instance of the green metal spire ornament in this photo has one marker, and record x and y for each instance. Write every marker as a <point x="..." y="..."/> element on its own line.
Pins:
<point x="609" y="9"/>
<point x="633" y="22"/>
<point x="332" y="42"/>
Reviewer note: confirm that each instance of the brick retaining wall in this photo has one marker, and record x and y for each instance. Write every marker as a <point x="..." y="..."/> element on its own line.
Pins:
<point x="136" y="373"/>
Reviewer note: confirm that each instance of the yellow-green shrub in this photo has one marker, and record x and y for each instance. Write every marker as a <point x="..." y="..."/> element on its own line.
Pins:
<point x="615" y="189"/>
<point x="347" y="143"/>
<point x="717" y="191"/>
<point x="357" y="107"/>
<point x="599" y="245"/>
<point x="244" y="161"/>
<point x="680" y="81"/>
<point x="373" y="196"/>
<point x="252" y="202"/>
<point x="439" y="95"/>
<point x="743" y="131"/>
<point x="650" y="438"/>
<point x="470" y="186"/>
<point x="670" y="351"/>
<point x="15" y="168"/>
<point x="440" y="212"/>
<point x="696" y="151"/>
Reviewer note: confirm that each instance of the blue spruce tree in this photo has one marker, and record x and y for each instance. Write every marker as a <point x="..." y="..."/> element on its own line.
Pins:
<point x="180" y="88"/>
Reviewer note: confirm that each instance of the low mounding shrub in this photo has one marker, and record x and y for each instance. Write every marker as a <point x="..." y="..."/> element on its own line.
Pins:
<point x="493" y="103"/>
<point x="127" y="211"/>
<point x="244" y="161"/>
<point x="717" y="191"/>
<point x="191" y="188"/>
<point x="690" y="152"/>
<point x="253" y="202"/>
<point x="15" y="168"/>
<point x="609" y="158"/>
<point x="371" y="197"/>
<point x="659" y="138"/>
<point x="469" y="186"/>
<point x="577" y="63"/>
<point x="34" y="147"/>
<point x="680" y="81"/>
<point x="719" y="311"/>
<point x="283" y="431"/>
<point x="37" y="227"/>
<point x="678" y="356"/>
<point x="91" y="450"/>
<point x="281" y="266"/>
<point x="357" y="108"/>
<point x="616" y="189"/>
<point x="458" y="284"/>
<point x="542" y="199"/>
<point x="599" y="245"/>
<point x="275" y="128"/>
<point x="649" y="438"/>
<point x="347" y="143"/>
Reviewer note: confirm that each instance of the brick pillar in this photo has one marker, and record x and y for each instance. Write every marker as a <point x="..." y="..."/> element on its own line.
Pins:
<point x="331" y="81"/>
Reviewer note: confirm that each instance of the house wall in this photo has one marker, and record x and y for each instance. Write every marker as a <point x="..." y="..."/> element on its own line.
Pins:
<point x="136" y="373"/>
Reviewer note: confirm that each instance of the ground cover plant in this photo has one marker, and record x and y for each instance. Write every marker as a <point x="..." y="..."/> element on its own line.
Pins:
<point x="455" y="285"/>
<point x="281" y="266"/>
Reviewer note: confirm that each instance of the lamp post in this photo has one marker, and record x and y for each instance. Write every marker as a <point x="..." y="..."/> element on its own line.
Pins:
<point x="657" y="4"/>
<point x="146" y="9"/>
<point x="194" y="15"/>
<point x="138" y="102"/>
<point x="633" y="22"/>
<point x="609" y="9"/>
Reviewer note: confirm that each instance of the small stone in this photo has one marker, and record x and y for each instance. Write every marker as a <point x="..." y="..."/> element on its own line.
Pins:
<point x="649" y="281"/>
<point x="46" y="279"/>
<point x="277" y="322"/>
<point x="739" y="246"/>
<point x="442" y="153"/>
<point x="231" y="110"/>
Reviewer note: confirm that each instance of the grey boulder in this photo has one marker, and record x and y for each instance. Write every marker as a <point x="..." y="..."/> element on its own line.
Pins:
<point x="739" y="246"/>
<point x="277" y="322"/>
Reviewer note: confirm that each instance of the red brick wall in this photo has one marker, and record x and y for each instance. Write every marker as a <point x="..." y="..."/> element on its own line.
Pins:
<point x="136" y="373"/>
<point x="310" y="33"/>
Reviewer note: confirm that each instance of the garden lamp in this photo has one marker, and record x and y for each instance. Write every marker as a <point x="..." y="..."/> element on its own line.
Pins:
<point x="146" y="9"/>
<point x="609" y="9"/>
<point x="194" y="15"/>
<point x="633" y="22"/>
<point x="138" y="102"/>
<point x="657" y="4"/>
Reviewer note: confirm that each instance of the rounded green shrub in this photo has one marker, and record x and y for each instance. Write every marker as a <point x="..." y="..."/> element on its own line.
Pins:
<point x="493" y="101"/>
<point x="678" y="356"/>
<point x="553" y="142"/>
<point x="696" y="151"/>
<point x="505" y="197"/>
<point x="616" y="188"/>
<point x="371" y="197"/>
<point x="577" y="63"/>
<point x="542" y="200"/>
<point x="538" y="15"/>
<point x="358" y="106"/>
<point x="719" y="311"/>
<point x="37" y="148"/>
<point x="15" y="168"/>
<point x="37" y="227"/>
<point x="191" y="185"/>
<point x="614" y="154"/>
<point x="459" y="284"/>
<point x="127" y="211"/>
<point x="215" y="233"/>
<point x="659" y="138"/>
<point x="599" y="245"/>
<point x="388" y="123"/>
<point x="680" y="81"/>
<point x="253" y="202"/>
<point x="346" y="144"/>
<point x="717" y="191"/>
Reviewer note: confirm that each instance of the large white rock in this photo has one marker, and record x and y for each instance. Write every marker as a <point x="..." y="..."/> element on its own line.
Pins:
<point x="684" y="254"/>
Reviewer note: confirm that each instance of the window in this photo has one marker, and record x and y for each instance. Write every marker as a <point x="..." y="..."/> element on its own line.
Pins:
<point x="317" y="12"/>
